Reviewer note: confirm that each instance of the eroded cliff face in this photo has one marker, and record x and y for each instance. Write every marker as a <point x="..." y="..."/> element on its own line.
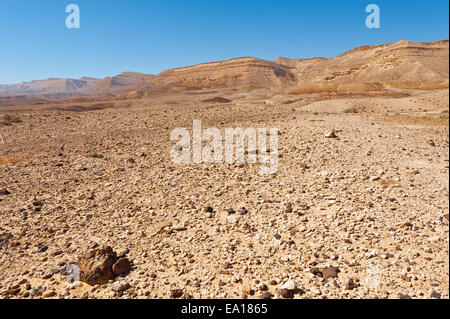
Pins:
<point x="403" y="64"/>
<point x="403" y="61"/>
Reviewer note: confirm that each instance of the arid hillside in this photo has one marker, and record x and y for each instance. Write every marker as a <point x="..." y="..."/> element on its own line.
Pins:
<point x="400" y="65"/>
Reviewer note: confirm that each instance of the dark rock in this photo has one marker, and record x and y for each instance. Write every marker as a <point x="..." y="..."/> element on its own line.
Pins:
<point x="286" y="293"/>
<point x="350" y="285"/>
<point x="209" y="209"/>
<point x="231" y="211"/>
<point x="227" y="265"/>
<point x="38" y="203"/>
<point x="121" y="266"/>
<point x="288" y="208"/>
<point x="42" y="248"/>
<point x="435" y="295"/>
<point x="264" y="288"/>
<point x="266" y="295"/>
<point x="96" y="266"/>
<point x="123" y="253"/>
<point x="402" y="296"/>
<point x="48" y="276"/>
<point x="4" y="192"/>
<point x="12" y="292"/>
<point x="316" y="272"/>
<point x="176" y="293"/>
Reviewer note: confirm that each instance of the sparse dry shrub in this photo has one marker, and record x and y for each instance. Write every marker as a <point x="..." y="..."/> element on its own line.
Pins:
<point x="8" y="120"/>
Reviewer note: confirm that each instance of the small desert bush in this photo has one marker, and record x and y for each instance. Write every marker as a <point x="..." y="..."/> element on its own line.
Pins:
<point x="10" y="119"/>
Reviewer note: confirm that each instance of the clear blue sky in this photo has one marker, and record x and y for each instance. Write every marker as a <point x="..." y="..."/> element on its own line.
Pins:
<point x="150" y="36"/>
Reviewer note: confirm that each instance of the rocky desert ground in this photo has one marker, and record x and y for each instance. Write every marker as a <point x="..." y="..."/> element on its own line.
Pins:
<point x="88" y="186"/>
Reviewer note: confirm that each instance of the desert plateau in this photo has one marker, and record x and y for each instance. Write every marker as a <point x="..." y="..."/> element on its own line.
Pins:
<point x="91" y="205"/>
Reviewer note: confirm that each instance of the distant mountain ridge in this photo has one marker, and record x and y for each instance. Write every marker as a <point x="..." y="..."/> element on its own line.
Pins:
<point x="402" y="61"/>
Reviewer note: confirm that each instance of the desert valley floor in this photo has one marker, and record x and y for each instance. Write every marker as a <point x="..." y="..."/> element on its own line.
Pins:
<point x="362" y="215"/>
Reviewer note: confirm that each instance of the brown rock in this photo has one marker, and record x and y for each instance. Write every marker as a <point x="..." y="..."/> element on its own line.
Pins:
<point x="96" y="266"/>
<point x="286" y="293"/>
<point x="121" y="266"/>
<point x="266" y="295"/>
<point x="176" y="293"/>
<point x="330" y="272"/>
<point x="350" y="285"/>
<point x="12" y="292"/>
<point x="4" y="192"/>
<point x="209" y="209"/>
<point x="288" y="208"/>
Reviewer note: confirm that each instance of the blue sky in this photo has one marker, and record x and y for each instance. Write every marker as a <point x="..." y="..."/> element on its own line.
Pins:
<point x="150" y="36"/>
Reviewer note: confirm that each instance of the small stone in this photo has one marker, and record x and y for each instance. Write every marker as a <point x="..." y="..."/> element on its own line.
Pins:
<point x="48" y="276"/>
<point x="121" y="266"/>
<point x="236" y="279"/>
<point x="38" y="203"/>
<point x="435" y="295"/>
<point x="119" y="286"/>
<point x="50" y="294"/>
<point x="315" y="291"/>
<point x="180" y="227"/>
<point x="176" y="293"/>
<point x="371" y="254"/>
<point x="330" y="134"/>
<point x="330" y="272"/>
<point x="402" y="296"/>
<point x="123" y="253"/>
<point x="227" y="265"/>
<point x="12" y="292"/>
<point x="286" y="293"/>
<point x="209" y="209"/>
<point x="42" y="248"/>
<point x="263" y="287"/>
<point x="266" y="295"/>
<point x="350" y="285"/>
<point x="4" y="192"/>
<point x="290" y="285"/>
<point x="231" y="211"/>
<point x="288" y="208"/>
